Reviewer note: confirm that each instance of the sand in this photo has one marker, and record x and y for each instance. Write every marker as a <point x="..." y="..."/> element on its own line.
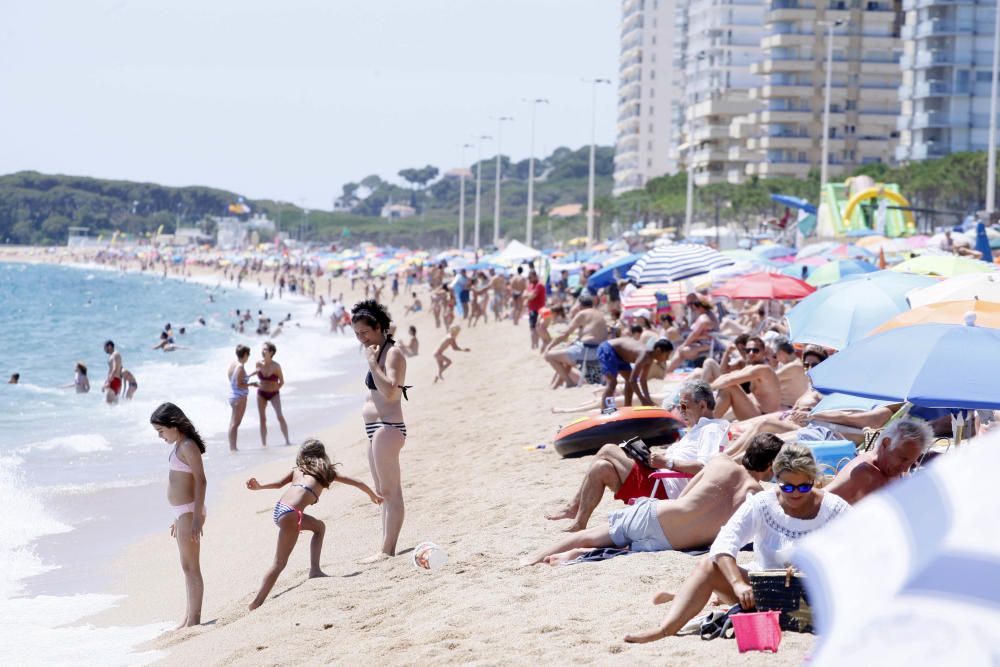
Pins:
<point x="475" y="484"/>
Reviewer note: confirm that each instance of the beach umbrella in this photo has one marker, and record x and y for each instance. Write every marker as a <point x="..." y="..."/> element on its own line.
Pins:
<point x="833" y="272"/>
<point x="908" y="577"/>
<point x="942" y="265"/>
<point x="983" y="243"/>
<point x="810" y="263"/>
<point x="794" y="202"/>
<point x="847" y="311"/>
<point x="773" y="251"/>
<point x="676" y="292"/>
<point x="982" y="286"/>
<point x="947" y="312"/>
<point x="861" y="233"/>
<point x="846" y="250"/>
<point x="765" y="286"/>
<point x="930" y="365"/>
<point x="606" y="276"/>
<point x="740" y="253"/>
<point x="872" y="242"/>
<point x="815" y="249"/>
<point x="676" y="261"/>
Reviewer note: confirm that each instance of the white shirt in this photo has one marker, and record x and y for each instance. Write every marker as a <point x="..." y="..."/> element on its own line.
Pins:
<point x="703" y="441"/>
<point x="762" y="521"/>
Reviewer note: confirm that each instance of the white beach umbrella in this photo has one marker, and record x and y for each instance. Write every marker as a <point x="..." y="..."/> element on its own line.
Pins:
<point x="982" y="286"/>
<point x="675" y="262"/>
<point x="912" y="575"/>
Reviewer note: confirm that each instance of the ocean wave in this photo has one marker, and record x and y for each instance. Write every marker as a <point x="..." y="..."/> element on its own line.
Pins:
<point x="81" y="443"/>
<point x="96" y="487"/>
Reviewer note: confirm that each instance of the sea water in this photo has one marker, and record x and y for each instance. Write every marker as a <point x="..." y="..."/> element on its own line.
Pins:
<point x="80" y="480"/>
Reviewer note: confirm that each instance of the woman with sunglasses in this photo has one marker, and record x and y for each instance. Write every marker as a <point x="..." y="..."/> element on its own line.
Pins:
<point x="773" y="521"/>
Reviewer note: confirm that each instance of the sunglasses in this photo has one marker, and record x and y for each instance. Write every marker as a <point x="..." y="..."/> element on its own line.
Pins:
<point x="791" y="488"/>
<point x="810" y="364"/>
<point x="753" y="350"/>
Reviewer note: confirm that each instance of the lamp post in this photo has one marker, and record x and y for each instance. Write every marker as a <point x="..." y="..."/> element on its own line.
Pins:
<point x="825" y="165"/>
<point x="461" y="200"/>
<point x="496" y="194"/>
<point x="689" y="196"/>
<point x="531" y="171"/>
<point x="991" y="160"/>
<point x="593" y="149"/>
<point x="479" y="182"/>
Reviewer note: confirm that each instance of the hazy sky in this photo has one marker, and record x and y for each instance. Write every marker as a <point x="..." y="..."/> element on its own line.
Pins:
<point x="289" y="99"/>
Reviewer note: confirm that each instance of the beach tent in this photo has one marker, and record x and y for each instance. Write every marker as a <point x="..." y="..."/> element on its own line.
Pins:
<point x="516" y="253"/>
<point x="909" y="576"/>
<point x="833" y="272"/>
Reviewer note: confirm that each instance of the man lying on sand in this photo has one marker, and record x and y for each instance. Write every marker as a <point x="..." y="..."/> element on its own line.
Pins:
<point x="692" y="520"/>
<point x="614" y="469"/>
<point x="900" y="445"/>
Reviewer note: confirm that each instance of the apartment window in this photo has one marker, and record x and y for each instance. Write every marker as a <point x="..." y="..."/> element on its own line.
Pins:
<point x="802" y="156"/>
<point x="653" y="40"/>
<point x="650" y="127"/>
<point x="851" y="105"/>
<point x="652" y="74"/>
<point x="649" y="163"/>
<point x="649" y="145"/>
<point x="651" y="110"/>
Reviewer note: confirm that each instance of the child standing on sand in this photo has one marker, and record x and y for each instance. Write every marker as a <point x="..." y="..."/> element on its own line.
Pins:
<point x="186" y="495"/>
<point x="312" y="474"/>
<point x="451" y="340"/>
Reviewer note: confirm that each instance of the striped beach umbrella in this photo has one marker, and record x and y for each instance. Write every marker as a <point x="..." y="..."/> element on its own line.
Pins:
<point x="676" y="262"/>
<point x="653" y="295"/>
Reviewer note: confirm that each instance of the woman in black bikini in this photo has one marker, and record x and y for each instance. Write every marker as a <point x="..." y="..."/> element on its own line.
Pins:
<point x="383" y="415"/>
<point x="271" y="381"/>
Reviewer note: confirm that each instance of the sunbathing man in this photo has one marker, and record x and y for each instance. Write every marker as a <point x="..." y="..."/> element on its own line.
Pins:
<point x="900" y="445"/>
<point x="613" y="469"/>
<point x="692" y="520"/>
<point x="616" y="357"/>
<point x="591" y="329"/>
<point x="765" y="390"/>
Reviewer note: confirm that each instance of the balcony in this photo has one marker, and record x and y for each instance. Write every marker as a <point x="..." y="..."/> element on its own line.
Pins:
<point x="709" y="133"/>
<point x="788" y="142"/>
<point x="773" y="116"/>
<point x="928" y="119"/>
<point x="909" y="5"/>
<point x="939" y="89"/>
<point x="782" y="90"/>
<point x="778" y="169"/>
<point x="790" y="11"/>
<point x="937" y="58"/>
<point x="905" y="92"/>
<point x="771" y="64"/>
<point x="937" y="27"/>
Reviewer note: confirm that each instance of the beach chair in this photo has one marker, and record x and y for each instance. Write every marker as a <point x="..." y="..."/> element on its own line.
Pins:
<point x="666" y="474"/>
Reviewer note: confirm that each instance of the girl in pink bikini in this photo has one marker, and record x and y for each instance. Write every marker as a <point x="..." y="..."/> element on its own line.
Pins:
<point x="269" y="391"/>
<point x="186" y="495"/>
<point x="313" y="473"/>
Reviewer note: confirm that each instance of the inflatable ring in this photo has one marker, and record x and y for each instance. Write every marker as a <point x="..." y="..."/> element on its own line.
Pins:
<point x="586" y="435"/>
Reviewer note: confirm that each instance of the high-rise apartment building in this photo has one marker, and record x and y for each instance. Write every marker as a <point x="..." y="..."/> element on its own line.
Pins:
<point x="647" y="88"/>
<point x="788" y="129"/>
<point x="946" y="67"/>
<point x="722" y="40"/>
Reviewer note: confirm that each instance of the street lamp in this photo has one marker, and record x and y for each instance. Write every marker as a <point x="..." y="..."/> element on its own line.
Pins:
<point x="461" y="200"/>
<point x="689" y="197"/>
<point x="825" y="165"/>
<point x="479" y="181"/>
<point x="531" y="170"/>
<point x="593" y="148"/>
<point x="496" y="195"/>
<point x="991" y="160"/>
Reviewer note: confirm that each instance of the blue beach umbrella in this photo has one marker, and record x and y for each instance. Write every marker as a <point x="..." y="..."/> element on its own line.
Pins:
<point x="771" y="251"/>
<point x="847" y="311"/>
<point x="929" y="365"/>
<point x="983" y="243"/>
<point x="606" y="276"/>
<point x="794" y="202"/>
<point x="836" y="271"/>
<point x="816" y="249"/>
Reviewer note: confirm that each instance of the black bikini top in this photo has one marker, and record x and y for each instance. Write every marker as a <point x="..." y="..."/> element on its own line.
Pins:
<point x="370" y="381"/>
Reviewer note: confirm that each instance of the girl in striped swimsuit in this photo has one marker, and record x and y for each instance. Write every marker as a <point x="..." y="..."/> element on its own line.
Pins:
<point x="383" y="415"/>
<point x="312" y="474"/>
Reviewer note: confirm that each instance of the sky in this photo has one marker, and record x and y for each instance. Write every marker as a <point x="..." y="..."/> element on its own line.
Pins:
<point x="290" y="99"/>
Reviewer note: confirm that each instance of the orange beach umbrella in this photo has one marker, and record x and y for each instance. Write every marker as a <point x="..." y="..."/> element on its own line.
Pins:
<point x="987" y="315"/>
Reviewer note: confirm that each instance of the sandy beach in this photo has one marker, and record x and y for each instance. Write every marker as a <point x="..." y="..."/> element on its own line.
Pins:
<point x="476" y="483"/>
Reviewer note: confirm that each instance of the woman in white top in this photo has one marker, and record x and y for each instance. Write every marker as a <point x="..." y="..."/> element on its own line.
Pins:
<point x="773" y="521"/>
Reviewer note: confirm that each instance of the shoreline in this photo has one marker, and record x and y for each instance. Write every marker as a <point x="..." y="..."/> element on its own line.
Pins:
<point x="474" y="483"/>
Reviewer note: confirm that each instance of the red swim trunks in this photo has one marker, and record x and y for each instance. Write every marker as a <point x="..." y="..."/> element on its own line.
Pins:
<point x="115" y="385"/>
<point x="639" y="485"/>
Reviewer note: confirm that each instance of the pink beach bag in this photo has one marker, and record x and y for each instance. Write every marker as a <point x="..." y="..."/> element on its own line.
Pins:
<point x="757" y="631"/>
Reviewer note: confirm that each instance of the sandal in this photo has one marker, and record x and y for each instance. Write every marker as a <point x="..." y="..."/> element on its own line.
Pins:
<point x="721" y="626"/>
